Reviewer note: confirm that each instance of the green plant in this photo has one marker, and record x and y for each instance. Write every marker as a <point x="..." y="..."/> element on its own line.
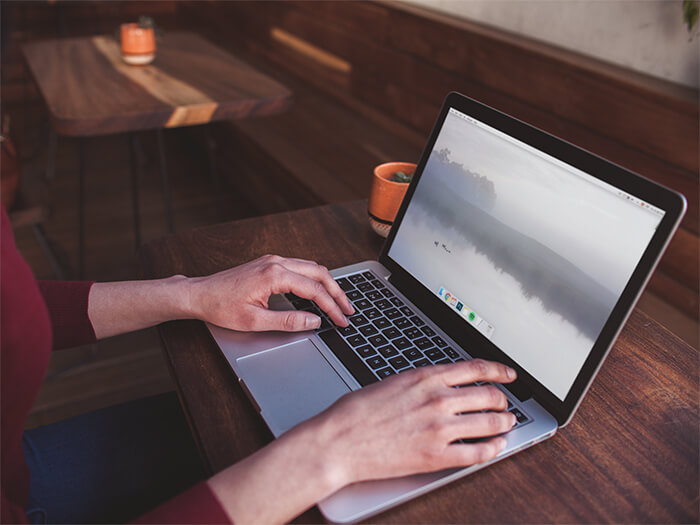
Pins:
<point x="400" y="176"/>
<point x="690" y="13"/>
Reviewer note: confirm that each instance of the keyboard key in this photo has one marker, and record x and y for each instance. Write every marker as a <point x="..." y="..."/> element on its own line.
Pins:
<point x="392" y="313"/>
<point x="365" y="351"/>
<point x="396" y="302"/>
<point x="363" y="304"/>
<point x="406" y="311"/>
<point x="376" y="362"/>
<point x="387" y="292"/>
<point x="401" y="343"/>
<point x="358" y="320"/>
<point x="365" y="287"/>
<point x="417" y="321"/>
<point x="402" y="323"/>
<point x="325" y="324"/>
<point x="348" y="330"/>
<point x="300" y="304"/>
<point x="368" y="275"/>
<point x="413" y="333"/>
<point x="372" y="313"/>
<point x="443" y="362"/>
<point x="354" y="295"/>
<point x="385" y="372"/>
<point x="423" y="343"/>
<point x="356" y="340"/>
<point x="450" y="352"/>
<point x="377" y="340"/>
<point x="382" y="323"/>
<point x="388" y="351"/>
<point x="368" y="330"/>
<point x="439" y="341"/>
<point x="377" y="284"/>
<point x="374" y="295"/>
<point x="399" y="362"/>
<point x="391" y="333"/>
<point x="434" y="354"/>
<point x="428" y="331"/>
<point x="357" y="278"/>
<point x="344" y="284"/>
<point x="422" y="362"/>
<point x="383" y="304"/>
<point x="412" y="354"/>
<point x="519" y="415"/>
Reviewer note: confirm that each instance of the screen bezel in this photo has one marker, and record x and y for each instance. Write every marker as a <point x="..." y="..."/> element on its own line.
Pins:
<point x="671" y="202"/>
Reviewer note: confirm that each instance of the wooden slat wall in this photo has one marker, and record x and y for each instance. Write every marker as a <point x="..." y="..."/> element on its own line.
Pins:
<point x="402" y="61"/>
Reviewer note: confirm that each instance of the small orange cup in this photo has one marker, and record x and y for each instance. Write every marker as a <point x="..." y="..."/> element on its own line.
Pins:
<point x="386" y="195"/>
<point x="138" y="44"/>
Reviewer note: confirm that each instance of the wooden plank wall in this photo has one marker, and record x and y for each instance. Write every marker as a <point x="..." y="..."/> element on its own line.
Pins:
<point x="401" y="61"/>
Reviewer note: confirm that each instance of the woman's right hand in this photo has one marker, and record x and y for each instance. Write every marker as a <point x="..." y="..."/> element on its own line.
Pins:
<point x="401" y="426"/>
<point x="406" y="424"/>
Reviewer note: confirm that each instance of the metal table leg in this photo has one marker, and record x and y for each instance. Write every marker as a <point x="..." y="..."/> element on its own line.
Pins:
<point x="135" y="189"/>
<point x="166" y="186"/>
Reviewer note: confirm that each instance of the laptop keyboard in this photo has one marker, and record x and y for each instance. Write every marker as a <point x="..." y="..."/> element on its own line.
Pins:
<point x="385" y="336"/>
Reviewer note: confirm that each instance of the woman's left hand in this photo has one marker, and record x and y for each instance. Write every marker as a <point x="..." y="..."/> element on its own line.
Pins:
<point x="237" y="298"/>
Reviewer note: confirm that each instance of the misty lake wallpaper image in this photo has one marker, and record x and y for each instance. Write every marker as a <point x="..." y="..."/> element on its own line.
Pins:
<point x="517" y="241"/>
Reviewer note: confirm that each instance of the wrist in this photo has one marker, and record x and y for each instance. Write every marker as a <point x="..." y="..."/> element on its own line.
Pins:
<point x="183" y="303"/>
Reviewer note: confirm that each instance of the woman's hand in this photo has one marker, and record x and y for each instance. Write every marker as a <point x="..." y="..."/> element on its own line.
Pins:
<point x="407" y="424"/>
<point x="238" y="298"/>
<point x="401" y="426"/>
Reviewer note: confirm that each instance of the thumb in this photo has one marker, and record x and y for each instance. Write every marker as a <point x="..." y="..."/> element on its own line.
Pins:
<point x="287" y="321"/>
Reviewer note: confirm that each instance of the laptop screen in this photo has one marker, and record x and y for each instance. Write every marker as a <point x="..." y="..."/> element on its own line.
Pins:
<point x="530" y="251"/>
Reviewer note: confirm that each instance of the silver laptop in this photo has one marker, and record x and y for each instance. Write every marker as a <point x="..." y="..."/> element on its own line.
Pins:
<point x="511" y="245"/>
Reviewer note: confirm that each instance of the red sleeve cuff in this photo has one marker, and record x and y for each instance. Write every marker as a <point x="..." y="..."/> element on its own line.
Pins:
<point x="67" y="303"/>
<point x="196" y="505"/>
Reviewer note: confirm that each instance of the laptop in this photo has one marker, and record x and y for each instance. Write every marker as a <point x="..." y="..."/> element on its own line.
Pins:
<point x="510" y="245"/>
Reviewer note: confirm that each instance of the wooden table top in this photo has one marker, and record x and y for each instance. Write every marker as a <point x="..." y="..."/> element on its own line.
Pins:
<point x="629" y="455"/>
<point x="89" y="90"/>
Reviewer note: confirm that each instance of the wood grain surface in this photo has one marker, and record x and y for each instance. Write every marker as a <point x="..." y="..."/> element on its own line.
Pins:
<point x="89" y="90"/>
<point x="629" y="455"/>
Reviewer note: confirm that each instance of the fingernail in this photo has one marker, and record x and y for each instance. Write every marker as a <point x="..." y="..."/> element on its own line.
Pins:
<point x="513" y="420"/>
<point x="510" y="373"/>
<point x="312" y="322"/>
<point x="501" y="443"/>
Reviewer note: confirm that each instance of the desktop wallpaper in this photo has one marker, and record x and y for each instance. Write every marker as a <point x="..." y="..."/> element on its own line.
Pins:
<point x="533" y="253"/>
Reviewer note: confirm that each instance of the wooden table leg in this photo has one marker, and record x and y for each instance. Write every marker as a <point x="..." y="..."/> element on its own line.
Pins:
<point x="135" y="189"/>
<point x="166" y="186"/>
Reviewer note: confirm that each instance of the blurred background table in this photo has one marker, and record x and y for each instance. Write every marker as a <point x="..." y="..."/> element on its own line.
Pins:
<point x="630" y="453"/>
<point x="89" y="91"/>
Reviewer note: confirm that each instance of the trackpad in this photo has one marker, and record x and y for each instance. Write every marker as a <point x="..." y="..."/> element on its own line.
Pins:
<point x="290" y="383"/>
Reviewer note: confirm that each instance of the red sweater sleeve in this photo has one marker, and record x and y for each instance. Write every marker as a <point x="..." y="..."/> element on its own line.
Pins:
<point x="67" y="303"/>
<point x="196" y="505"/>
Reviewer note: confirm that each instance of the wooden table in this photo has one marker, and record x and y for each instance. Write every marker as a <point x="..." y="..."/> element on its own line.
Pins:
<point x="629" y="455"/>
<point x="90" y="91"/>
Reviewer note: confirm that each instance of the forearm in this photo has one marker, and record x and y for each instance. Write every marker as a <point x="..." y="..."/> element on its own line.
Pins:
<point x="120" y="307"/>
<point x="279" y="481"/>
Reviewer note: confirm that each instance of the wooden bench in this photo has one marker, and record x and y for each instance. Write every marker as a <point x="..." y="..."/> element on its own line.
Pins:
<point x="369" y="78"/>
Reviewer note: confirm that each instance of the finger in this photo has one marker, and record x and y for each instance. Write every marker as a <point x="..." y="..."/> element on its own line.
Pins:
<point x="481" y="424"/>
<point x="466" y="372"/>
<point x="321" y="274"/>
<point x="311" y="289"/>
<point x="463" y="454"/>
<point x="475" y="398"/>
<point x="287" y="321"/>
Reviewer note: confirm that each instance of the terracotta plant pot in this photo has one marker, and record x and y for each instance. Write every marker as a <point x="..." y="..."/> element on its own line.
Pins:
<point x="386" y="195"/>
<point x="138" y="44"/>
